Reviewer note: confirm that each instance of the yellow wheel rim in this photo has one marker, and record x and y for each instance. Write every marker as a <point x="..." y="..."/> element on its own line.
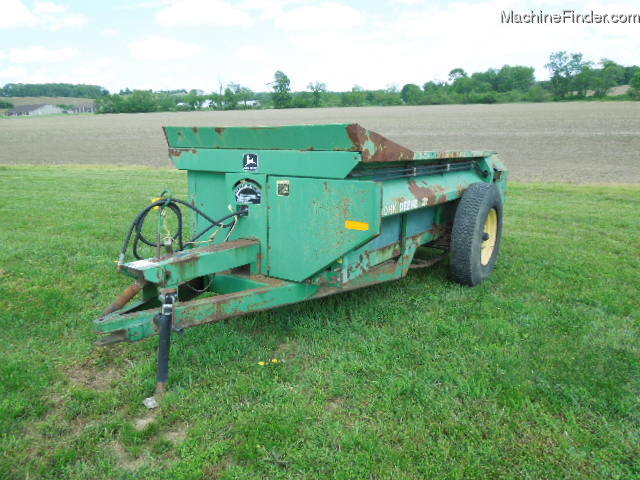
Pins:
<point x="490" y="229"/>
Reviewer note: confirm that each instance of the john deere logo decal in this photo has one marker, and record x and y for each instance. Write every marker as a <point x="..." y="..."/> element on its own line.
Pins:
<point x="250" y="162"/>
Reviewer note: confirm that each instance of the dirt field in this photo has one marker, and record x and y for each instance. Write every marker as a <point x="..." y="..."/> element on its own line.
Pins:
<point x="565" y="142"/>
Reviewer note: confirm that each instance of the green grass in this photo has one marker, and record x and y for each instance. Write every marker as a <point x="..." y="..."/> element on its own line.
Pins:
<point x="535" y="374"/>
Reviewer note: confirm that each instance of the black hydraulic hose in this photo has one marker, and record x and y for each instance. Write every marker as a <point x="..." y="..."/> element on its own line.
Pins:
<point x="239" y="213"/>
<point x="171" y="203"/>
<point x="178" y="235"/>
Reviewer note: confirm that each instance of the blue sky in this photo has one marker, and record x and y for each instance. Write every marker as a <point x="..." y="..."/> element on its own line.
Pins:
<point x="170" y="44"/>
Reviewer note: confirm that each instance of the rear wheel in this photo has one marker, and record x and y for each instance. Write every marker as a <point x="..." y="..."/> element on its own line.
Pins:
<point x="476" y="234"/>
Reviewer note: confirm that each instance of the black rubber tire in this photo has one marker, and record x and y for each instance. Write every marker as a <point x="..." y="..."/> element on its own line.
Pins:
<point x="468" y="230"/>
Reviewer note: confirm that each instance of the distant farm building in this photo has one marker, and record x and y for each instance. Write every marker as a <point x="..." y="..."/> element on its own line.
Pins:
<point x="40" y="109"/>
<point x="48" y="109"/>
<point x="83" y="108"/>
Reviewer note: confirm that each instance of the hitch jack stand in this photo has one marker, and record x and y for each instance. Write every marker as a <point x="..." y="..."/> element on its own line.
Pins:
<point x="164" y="322"/>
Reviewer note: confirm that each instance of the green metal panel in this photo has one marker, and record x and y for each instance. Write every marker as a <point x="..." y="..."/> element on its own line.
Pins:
<point x="406" y="194"/>
<point x="332" y="137"/>
<point x="296" y="137"/>
<point x="208" y="191"/>
<point x="272" y="162"/>
<point x="307" y="227"/>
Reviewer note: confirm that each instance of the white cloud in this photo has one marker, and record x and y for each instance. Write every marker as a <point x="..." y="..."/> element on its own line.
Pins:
<point x="13" y="73"/>
<point x="326" y="16"/>
<point x="96" y="72"/>
<point x="252" y="54"/>
<point x="51" y="15"/>
<point x="149" y="4"/>
<point x="409" y="3"/>
<point x="48" y="7"/>
<point x="16" y="14"/>
<point x="110" y="32"/>
<point x="40" y="54"/>
<point x="202" y="12"/>
<point x="422" y="43"/>
<point x="162" y="48"/>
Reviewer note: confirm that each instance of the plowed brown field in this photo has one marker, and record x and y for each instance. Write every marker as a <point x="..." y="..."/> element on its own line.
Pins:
<point x="565" y="142"/>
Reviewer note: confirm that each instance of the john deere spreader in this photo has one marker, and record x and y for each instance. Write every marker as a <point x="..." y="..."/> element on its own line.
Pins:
<point x="278" y="215"/>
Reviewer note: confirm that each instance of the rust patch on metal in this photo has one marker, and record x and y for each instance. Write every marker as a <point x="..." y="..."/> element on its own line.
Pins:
<point x="220" y="131"/>
<point x="422" y="192"/>
<point x="177" y="152"/>
<point x="357" y="135"/>
<point x="384" y="150"/>
<point x="387" y="150"/>
<point x="196" y="130"/>
<point x="124" y="298"/>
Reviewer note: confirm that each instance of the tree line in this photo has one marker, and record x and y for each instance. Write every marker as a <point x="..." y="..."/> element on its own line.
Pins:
<point x="571" y="78"/>
<point x="52" y="90"/>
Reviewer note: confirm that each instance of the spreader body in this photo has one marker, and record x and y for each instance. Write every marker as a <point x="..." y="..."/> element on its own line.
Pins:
<point x="326" y="208"/>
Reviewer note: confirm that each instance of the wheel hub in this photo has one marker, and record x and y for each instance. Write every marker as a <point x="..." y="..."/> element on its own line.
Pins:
<point x="489" y="237"/>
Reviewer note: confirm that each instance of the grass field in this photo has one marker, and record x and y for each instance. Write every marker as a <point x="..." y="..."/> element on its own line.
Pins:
<point x="534" y="374"/>
<point x="573" y="142"/>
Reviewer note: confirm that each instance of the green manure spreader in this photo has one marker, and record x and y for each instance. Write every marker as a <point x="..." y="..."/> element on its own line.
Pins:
<point x="278" y="215"/>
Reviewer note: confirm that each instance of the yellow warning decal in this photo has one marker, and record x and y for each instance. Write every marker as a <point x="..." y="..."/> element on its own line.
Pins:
<point x="351" y="225"/>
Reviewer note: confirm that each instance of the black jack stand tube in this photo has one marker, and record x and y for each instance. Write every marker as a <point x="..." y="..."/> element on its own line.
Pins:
<point x="165" y="325"/>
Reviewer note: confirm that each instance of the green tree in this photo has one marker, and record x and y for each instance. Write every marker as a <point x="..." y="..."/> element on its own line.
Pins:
<point x="564" y="67"/>
<point x="140" y="101"/>
<point x="216" y="101"/>
<point x="230" y="96"/>
<point x="388" y="96"/>
<point x="5" y="104"/>
<point x="489" y="77"/>
<point x="516" y="77"/>
<point x="244" y="94"/>
<point x="629" y="73"/>
<point x="52" y="90"/>
<point x="357" y="97"/>
<point x="281" y="90"/>
<point x="317" y="91"/>
<point x="110" y="104"/>
<point x="607" y="77"/>
<point x="412" y="94"/>
<point x="194" y="100"/>
<point x="634" y="91"/>
<point x="165" y="102"/>
<point x="455" y="74"/>
<point x="463" y="85"/>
